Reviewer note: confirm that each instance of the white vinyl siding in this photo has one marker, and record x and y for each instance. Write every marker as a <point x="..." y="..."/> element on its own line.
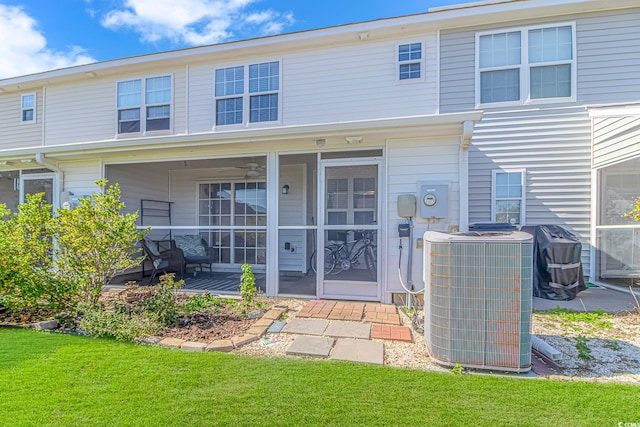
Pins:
<point x="80" y="176"/>
<point x="14" y="133"/>
<point x="615" y="139"/>
<point x="410" y="162"/>
<point x="608" y="60"/>
<point x="526" y="64"/>
<point x="554" y="146"/>
<point x="323" y="85"/>
<point x="28" y="108"/>
<point x="607" y="64"/>
<point x="144" y="181"/>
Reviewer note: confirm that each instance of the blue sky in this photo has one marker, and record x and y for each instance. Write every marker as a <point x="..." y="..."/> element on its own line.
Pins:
<point x="40" y="35"/>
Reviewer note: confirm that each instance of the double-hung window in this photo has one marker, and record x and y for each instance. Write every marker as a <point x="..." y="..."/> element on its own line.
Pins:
<point x="508" y="200"/>
<point x="256" y="101"/>
<point x="410" y="61"/>
<point x="28" y="108"/>
<point x="524" y="65"/>
<point x="151" y="112"/>
<point x="229" y="93"/>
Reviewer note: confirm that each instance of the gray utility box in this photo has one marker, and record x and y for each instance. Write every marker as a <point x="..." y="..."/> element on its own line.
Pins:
<point x="478" y="299"/>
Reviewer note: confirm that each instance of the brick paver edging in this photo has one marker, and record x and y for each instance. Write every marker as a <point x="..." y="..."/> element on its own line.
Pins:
<point x="225" y="345"/>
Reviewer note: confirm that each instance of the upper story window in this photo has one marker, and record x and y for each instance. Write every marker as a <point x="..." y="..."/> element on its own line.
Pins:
<point x="526" y="65"/>
<point x="409" y="61"/>
<point x="138" y="114"/>
<point x="508" y="200"/>
<point x="28" y="108"/>
<point x="240" y="103"/>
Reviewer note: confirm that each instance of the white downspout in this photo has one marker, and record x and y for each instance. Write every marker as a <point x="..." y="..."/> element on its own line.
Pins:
<point x="463" y="173"/>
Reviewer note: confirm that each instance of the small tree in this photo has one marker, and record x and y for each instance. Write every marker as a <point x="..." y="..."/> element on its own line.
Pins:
<point x="26" y="265"/>
<point x="248" y="289"/>
<point x="95" y="241"/>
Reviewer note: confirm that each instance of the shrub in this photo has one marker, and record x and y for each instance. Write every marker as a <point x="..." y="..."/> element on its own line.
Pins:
<point x="64" y="259"/>
<point x="27" y="276"/>
<point x="163" y="303"/>
<point x="205" y="302"/>
<point x="248" y="289"/>
<point x="95" y="241"/>
<point x="119" y="323"/>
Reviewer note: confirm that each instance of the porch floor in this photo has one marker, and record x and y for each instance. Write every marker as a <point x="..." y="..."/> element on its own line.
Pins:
<point x="218" y="282"/>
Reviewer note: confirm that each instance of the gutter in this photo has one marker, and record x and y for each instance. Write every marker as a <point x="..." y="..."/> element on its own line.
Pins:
<point x="312" y="131"/>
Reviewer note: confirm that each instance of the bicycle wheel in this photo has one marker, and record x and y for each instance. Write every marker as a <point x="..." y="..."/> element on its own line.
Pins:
<point x="341" y="259"/>
<point x="371" y="261"/>
<point x="329" y="261"/>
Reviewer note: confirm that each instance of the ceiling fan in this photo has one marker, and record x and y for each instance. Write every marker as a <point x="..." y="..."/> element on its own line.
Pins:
<point x="253" y="169"/>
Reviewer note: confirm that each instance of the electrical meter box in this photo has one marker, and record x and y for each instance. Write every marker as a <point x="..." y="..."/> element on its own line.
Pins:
<point x="434" y="200"/>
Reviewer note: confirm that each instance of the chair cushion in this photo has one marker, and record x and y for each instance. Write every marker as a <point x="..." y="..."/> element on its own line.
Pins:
<point x="191" y="245"/>
<point x="152" y="246"/>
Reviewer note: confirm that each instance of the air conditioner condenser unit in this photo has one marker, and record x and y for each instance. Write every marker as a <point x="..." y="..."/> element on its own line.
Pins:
<point x="478" y="299"/>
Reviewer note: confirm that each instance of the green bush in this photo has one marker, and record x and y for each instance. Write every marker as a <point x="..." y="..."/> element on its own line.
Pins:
<point x="205" y="302"/>
<point x="163" y="303"/>
<point x="62" y="260"/>
<point x="119" y="323"/>
<point x="27" y="269"/>
<point x="248" y="289"/>
<point x="95" y="241"/>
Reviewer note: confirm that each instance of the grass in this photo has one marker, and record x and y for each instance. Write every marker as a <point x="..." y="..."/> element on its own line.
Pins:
<point x="580" y="321"/>
<point x="61" y="380"/>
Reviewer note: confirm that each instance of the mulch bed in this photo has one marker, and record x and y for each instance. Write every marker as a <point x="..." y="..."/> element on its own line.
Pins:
<point x="209" y="326"/>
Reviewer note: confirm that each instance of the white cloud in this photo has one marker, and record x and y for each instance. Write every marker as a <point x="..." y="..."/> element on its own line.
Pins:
<point x="194" y="22"/>
<point x="23" y="49"/>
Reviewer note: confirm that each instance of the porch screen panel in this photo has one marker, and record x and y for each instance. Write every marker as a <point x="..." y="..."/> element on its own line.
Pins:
<point x="618" y="236"/>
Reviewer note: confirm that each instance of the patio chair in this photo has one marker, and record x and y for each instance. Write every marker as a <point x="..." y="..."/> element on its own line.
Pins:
<point x="167" y="261"/>
<point x="196" y="251"/>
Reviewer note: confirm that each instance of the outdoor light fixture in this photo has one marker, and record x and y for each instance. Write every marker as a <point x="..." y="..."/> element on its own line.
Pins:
<point x="354" y="139"/>
<point x="28" y="161"/>
<point x="286" y="188"/>
<point x="6" y="163"/>
<point x="321" y="142"/>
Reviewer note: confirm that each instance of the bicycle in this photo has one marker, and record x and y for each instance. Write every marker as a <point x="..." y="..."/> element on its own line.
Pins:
<point x="341" y="256"/>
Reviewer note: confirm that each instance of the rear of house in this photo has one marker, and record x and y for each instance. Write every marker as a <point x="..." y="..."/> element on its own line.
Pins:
<point x="557" y="142"/>
<point x="289" y="152"/>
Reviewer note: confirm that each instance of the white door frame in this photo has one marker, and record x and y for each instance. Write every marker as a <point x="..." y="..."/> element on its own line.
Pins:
<point x="55" y="188"/>
<point x="378" y="227"/>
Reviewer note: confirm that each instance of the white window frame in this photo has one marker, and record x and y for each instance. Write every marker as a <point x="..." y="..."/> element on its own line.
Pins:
<point x="142" y="107"/>
<point x="399" y="63"/>
<point x="525" y="67"/>
<point x="232" y="228"/>
<point x="522" y="198"/>
<point x="246" y="97"/>
<point x="23" y="109"/>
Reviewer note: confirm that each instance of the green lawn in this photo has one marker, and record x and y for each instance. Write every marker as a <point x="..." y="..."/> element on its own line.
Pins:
<point x="54" y="379"/>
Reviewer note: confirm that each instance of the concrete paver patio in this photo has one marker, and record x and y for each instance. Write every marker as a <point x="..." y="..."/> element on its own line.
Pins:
<point x="319" y="322"/>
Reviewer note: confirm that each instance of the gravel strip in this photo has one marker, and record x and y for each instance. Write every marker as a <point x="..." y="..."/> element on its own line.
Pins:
<point x="615" y="351"/>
